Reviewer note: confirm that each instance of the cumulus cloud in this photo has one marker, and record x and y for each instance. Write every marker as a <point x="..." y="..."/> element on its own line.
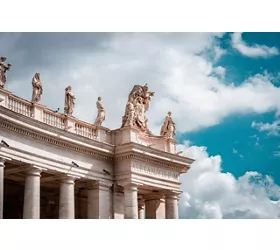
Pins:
<point x="270" y="128"/>
<point x="176" y="66"/>
<point x="220" y="71"/>
<point x="208" y="192"/>
<point x="255" y="50"/>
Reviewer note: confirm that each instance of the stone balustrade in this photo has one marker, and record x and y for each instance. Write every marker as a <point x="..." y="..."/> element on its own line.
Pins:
<point x="19" y="105"/>
<point x="71" y="124"/>
<point x="55" y="119"/>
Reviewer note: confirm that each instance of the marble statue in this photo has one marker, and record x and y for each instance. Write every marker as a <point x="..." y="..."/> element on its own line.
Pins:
<point x="37" y="88"/>
<point x="168" y="129"/>
<point x="137" y="105"/>
<point x="130" y="114"/>
<point x="69" y="103"/>
<point x="100" y="114"/>
<point x="3" y="71"/>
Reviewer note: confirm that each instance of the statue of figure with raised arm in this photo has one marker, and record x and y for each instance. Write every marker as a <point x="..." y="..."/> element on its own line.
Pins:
<point x="168" y="129"/>
<point x="3" y="71"/>
<point x="69" y="102"/>
<point x="37" y="88"/>
<point x="100" y="114"/>
<point x="147" y="96"/>
<point x="137" y="105"/>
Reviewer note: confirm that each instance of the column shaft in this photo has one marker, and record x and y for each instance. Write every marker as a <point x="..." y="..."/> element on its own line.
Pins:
<point x="171" y="207"/>
<point x="155" y="206"/>
<point x="2" y="165"/>
<point x="99" y="201"/>
<point x="67" y="199"/>
<point x="130" y="201"/>
<point x="141" y="211"/>
<point x="31" y="206"/>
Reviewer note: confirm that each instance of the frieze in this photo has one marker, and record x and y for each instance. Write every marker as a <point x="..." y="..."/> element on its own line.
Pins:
<point x="174" y="166"/>
<point x="154" y="171"/>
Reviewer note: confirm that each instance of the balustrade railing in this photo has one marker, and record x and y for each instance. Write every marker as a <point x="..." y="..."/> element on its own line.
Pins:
<point x="85" y="129"/>
<point x="53" y="119"/>
<point x="43" y="114"/>
<point x="19" y="105"/>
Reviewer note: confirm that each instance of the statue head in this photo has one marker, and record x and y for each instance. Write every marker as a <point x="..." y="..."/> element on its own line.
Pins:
<point x="3" y="58"/>
<point x="139" y="99"/>
<point x="68" y="88"/>
<point x="145" y="87"/>
<point x="99" y="98"/>
<point x="169" y="113"/>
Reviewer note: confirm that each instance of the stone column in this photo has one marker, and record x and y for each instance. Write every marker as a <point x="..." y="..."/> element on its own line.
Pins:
<point x="67" y="198"/>
<point x="130" y="201"/>
<point x="31" y="206"/>
<point x="171" y="205"/>
<point x="141" y="211"/>
<point x="118" y="202"/>
<point x="99" y="200"/>
<point x="155" y="206"/>
<point x="2" y="165"/>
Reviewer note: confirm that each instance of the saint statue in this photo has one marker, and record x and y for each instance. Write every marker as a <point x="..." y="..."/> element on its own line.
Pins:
<point x="140" y="113"/>
<point x="130" y="114"/>
<point x="168" y="128"/>
<point x="37" y="88"/>
<point x="3" y="71"/>
<point x="69" y="103"/>
<point x="100" y="114"/>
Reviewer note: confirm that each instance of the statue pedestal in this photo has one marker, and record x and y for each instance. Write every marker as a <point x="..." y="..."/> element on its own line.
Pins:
<point x="4" y="95"/>
<point x="37" y="111"/>
<point x="130" y="134"/>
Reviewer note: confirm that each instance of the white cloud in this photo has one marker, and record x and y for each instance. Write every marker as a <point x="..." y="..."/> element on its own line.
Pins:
<point x="210" y="193"/>
<point x="220" y="71"/>
<point x="254" y="50"/>
<point x="218" y="53"/>
<point x="235" y="151"/>
<point x="175" y="66"/>
<point x="270" y="128"/>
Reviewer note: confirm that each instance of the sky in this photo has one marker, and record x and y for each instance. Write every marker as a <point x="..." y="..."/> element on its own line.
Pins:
<point x="222" y="89"/>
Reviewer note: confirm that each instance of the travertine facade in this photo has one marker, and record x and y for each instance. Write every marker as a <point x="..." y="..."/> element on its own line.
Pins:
<point x="54" y="165"/>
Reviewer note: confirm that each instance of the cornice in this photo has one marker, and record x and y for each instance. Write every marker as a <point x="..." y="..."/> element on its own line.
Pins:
<point x="181" y="168"/>
<point x="27" y="132"/>
<point x="152" y="151"/>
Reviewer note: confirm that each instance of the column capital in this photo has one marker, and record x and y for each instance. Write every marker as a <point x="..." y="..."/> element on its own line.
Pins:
<point x="154" y="196"/>
<point x="105" y="185"/>
<point x="2" y="162"/>
<point x="67" y="179"/>
<point x="33" y="171"/>
<point x="130" y="186"/>
<point x="173" y="195"/>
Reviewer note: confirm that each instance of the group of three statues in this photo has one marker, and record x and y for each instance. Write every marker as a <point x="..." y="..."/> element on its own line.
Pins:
<point x="135" y="112"/>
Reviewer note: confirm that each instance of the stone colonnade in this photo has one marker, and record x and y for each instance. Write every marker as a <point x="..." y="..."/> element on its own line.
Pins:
<point x="152" y="206"/>
<point x="157" y="205"/>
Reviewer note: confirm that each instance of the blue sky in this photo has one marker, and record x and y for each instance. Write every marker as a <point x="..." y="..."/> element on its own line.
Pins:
<point x="222" y="88"/>
<point x="234" y="138"/>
